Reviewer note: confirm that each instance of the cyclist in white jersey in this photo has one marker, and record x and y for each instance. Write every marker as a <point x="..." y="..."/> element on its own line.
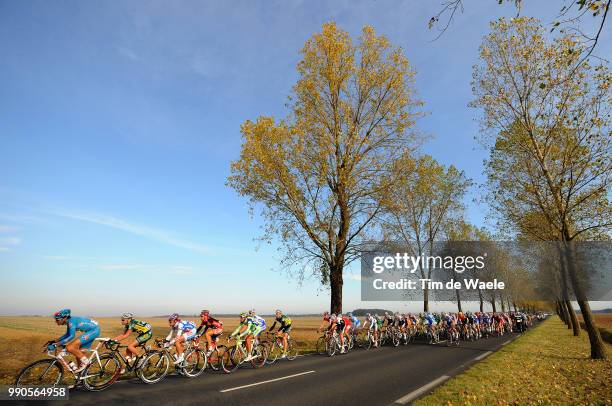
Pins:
<point x="181" y="331"/>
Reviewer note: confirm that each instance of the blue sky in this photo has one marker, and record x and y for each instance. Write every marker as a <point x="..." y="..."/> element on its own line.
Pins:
<point x="119" y="121"/>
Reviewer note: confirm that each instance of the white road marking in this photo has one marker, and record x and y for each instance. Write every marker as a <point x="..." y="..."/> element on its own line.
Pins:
<point x="268" y="381"/>
<point x="415" y="394"/>
<point x="483" y="355"/>
<point x="507" y="342"/>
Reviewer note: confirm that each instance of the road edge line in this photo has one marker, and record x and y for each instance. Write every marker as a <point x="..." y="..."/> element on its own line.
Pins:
<point x="420" y="391"/>
<point x="483" y="355"/>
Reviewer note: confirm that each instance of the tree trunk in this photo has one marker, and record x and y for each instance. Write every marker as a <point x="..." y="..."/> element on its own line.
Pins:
<point x="565" y="317"/>
<point x="568" y="312"/>
<point x="458" y="300"/>
<point x="336" y="281"/>
<point x="481" y="301"/>
<point x="426" y="299"/>
<point x="573" y="318"/>
<point x="598" y="349"/>
<point x="503" y="305"/>
<point x="493" y="305"/>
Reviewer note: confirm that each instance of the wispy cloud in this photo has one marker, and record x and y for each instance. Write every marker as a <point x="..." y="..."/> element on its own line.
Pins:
<point x="137" y="229"/>
<point x="10" y="241"/>
<point x="128" y="53"/>
<point x="7" y="242"/>
<point x="167" y="269"/>
<point x="7" y="229"/>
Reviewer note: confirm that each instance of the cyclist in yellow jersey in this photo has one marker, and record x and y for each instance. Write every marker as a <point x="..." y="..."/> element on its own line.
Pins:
<point x="143" y="329"/>
<point x="283" y="329"/>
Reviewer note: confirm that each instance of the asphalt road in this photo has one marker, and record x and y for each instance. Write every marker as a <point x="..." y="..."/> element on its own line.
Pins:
<point x="375" y="377"/>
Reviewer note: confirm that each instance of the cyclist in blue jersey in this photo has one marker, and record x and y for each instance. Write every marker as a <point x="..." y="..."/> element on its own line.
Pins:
<point x="181" y="331"/>
<point x="74" y="344"/>
<point x="355" y="322"/>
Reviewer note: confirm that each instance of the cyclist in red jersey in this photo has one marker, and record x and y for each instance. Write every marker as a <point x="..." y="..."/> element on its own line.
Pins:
<point x="211" y="328"/>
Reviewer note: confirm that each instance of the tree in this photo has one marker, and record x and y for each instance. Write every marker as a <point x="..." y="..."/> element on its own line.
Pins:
<point x="425" y="199"/>
<point x="317" y="175"/>
<point x="569" y="19"/>
<point x="547" y="126"/>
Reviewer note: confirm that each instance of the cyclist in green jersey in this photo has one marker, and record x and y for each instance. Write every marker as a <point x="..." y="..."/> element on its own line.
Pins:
<point x="143" y="329"/>
<point x="248" y="328"/>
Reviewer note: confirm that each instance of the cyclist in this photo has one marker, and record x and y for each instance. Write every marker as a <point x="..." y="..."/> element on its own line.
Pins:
<point x="142" y="328"/>
<point x="327" y="323"/>
<point x="248" y="328"/>
<point x="372" y="324"/>
<point x="211" y="328"/>
<point x="181" y="331"/>
<point x="344" y="327"/>
<point x="283" y="329"/>
<point x="73" y="344"/>
<point x="355" y="322"/>
<point x="259" y="322"/>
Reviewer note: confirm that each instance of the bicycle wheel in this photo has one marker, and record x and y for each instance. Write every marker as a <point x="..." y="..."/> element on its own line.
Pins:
<point x="274" y="352"/>
<point x="102" y="373"/>
<point x="331" y="347"/>
<point x="195" y="363"/>
<point x="231" y="359"/>
<point x="214" y="359"/>
<point x="45" y="372"/>
<point x="260" y="354"/>
<point x="395" y="339"/>
<point x="154" y="367"/>
<point x="321" y="346"/>
<point x="292" y="350"/>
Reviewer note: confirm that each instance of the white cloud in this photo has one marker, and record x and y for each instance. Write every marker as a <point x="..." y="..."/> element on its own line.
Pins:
<point x="10" y="241"/>
<point x="144" y="231"/>
<point x="7" y="229"/>
<point x="128" y="53"/>
<point x="165" y="269"/>
<point x="4" y="249"/>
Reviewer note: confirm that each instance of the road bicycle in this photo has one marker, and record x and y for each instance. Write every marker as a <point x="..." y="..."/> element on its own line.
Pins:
<point x="237" y="354"/>
<point x="193" y="364"/>
<point x="215" y="355"/>
<point x="150" y="367"/>
<point x="101" y="372"/>
<point x="276" y="348"/>
<point x="367" y="340"/>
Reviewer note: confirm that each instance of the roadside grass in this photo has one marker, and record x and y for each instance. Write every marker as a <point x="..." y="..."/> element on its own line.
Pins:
<point x="548" y="365"/>
<point x="22" y="338"/>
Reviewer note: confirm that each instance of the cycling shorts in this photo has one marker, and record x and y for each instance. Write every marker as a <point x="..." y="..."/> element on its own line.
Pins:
<point x="88" y="338"/>
<point x="143" y="338"/>
<point x="285" y="329"/>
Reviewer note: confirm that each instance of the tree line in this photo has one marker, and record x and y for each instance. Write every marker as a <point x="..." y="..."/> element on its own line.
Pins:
<point x="344" y="166"/>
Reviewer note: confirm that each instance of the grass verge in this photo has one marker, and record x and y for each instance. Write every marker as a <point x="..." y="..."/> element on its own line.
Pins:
<point x="545" y="366"/>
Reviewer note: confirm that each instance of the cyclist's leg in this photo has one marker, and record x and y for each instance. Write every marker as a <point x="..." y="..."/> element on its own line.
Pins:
<point x="179" y="343"/>
<point x="140" y="341"/>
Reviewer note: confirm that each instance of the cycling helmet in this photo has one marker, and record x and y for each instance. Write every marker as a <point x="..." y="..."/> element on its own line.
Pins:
<point x="252" y="312"/>
<point x="368" y="315"/>
<point x="204" y="313"/>
<point x="278" y="311"/>
<point x="62" y="314"/>
<point x="325" y="314"/>
<point x="350" y="314"/>
<point x="339" y="315"/>
<point x="126" y="316"/>
<point x="243" y="315"/>
<point x="173" y="316"/>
